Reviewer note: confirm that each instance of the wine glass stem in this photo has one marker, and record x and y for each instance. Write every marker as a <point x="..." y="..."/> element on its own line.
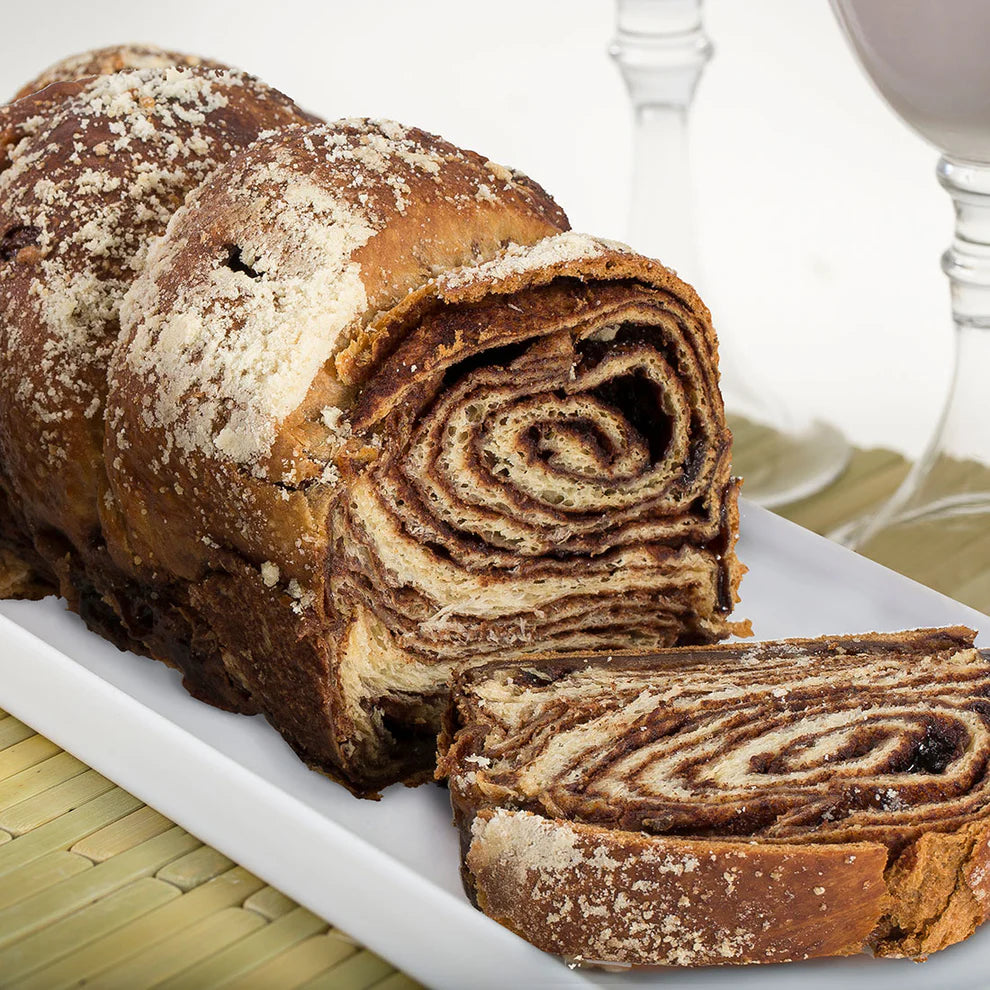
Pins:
<point x="662" y="207"/>
<point x="961" y="433"/>
<point x="661" y="49"/>
<point x="967" y="261"/>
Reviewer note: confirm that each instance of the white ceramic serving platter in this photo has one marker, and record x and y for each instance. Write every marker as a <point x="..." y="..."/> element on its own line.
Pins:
<point x="386" y="872"/>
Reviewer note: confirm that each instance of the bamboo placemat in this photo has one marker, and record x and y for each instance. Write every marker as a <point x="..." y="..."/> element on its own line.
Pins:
<point x="96" y="887"/>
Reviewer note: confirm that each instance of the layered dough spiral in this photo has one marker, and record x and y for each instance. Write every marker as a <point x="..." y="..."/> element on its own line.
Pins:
<point x="556" y="476"/>
<point x="845" y="778"/>
<point x="396" y="419"/>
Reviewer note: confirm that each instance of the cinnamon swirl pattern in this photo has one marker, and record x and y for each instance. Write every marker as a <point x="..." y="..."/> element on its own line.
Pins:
<point x="554" y="475"/>
<point x="768" y="803"/>
<point x="397" y="419"/>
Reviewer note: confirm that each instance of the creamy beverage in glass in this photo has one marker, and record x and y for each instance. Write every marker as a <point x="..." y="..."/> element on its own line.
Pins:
<point x="931" y="61"/>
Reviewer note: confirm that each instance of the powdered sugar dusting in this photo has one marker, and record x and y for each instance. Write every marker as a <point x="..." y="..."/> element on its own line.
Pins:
<point x="235" y="354"/>
<point x="518" y="258"/>
<point x="140" y="141"/>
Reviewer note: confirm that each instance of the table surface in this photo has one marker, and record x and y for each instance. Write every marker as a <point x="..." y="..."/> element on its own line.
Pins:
<point x="92" y="881"/>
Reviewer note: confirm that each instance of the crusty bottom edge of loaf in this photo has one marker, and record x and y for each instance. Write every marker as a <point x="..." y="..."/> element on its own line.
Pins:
<point x="614" y="897"/>
<point x="19" y="580"/>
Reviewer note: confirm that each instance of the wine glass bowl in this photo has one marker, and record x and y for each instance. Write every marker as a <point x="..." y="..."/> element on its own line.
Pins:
<point x="928" y="59"/>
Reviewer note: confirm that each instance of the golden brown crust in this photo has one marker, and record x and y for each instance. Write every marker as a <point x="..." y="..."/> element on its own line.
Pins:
<point x="729" y="803"/>
<point x="608" y="896"/>
<point x="117" y="154"/>
<point x="938" y="892"/>
<point x="514" y="270"/>
<point x="611" y="896"/>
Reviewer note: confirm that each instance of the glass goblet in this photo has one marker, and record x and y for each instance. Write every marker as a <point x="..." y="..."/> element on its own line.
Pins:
<point x="661" y="49"/>
<point x="929" y="61"/>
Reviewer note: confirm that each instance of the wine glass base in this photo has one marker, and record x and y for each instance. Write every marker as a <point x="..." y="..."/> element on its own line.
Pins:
<point x="944" y="544"/>
<point x="778" y="467"/>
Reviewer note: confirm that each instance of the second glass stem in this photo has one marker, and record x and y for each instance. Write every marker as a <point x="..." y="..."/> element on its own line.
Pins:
<point x="661" y="220"/>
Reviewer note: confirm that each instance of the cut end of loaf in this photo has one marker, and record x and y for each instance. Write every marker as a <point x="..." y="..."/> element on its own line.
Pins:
<point x="554" y="474"/>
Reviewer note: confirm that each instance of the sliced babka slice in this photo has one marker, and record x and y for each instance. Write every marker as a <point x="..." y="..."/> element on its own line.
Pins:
<point x="732" y="803"/>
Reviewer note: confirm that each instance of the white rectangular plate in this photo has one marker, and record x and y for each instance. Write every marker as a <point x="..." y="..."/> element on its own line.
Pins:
<point x="387" y="872"/>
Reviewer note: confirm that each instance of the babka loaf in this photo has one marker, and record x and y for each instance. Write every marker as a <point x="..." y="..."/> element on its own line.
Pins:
<point x="729" y="804"/>
<point x="372" y="414"/>
<point x="90" y="171"/>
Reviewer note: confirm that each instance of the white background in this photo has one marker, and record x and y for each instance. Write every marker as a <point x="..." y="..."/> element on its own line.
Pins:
<point x="821" y="222"/>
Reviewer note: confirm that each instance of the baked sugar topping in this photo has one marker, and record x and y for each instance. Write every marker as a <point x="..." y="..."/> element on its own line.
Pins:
<point x="103" y="61"/>
<point x="116" y="157"/>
